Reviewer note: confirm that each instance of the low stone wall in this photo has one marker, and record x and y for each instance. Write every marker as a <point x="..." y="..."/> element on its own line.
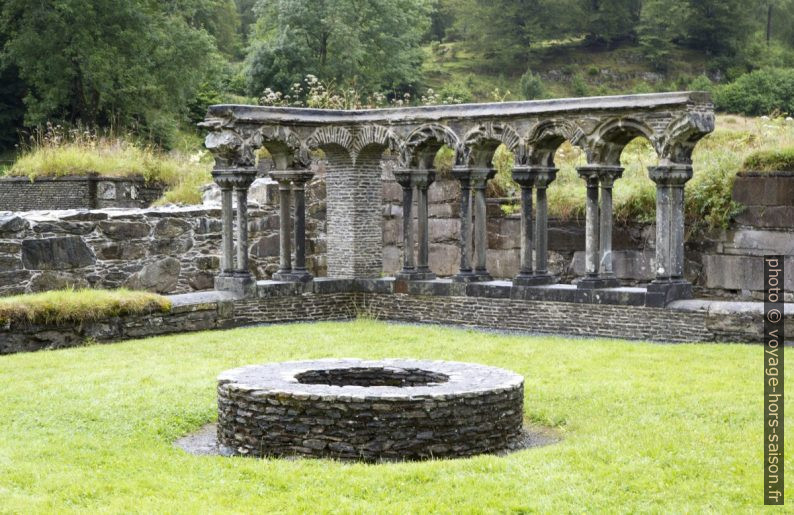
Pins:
<point x="345" y="299"/>
<point x="167" y="250"/>
<point x="77" y="192"/>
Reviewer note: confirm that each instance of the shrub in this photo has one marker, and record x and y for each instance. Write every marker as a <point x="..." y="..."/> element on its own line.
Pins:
<point x="532" y="86"/>
<point x="579" y="87"/>
<point x="757" y="93"/>
<point x="701" y="83"/>
<point x="63" y="306"/>
<point x="771" y="160"/>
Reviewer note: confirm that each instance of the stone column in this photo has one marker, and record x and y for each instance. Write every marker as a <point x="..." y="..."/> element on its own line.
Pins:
<point x="235" y="277"/>
<point x="670" y="283"/>
<point x="227" y="229"/>
<point x="590" y="175"/>
<point x="479" y="181"/>
<point x="463" y="174"/>
<point x="299" y="190"/>
<point x="292" y="182"/>
<point x="403" y="177"/>
<point x="607" y="178"/>
<point x="422" y="179"/>
<point x="530" y="177"/>
<point x="543" y="177"/>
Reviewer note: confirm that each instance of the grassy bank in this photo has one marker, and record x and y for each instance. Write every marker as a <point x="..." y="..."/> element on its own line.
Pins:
<point x="645" y="427"/>
<point x="57" y="152"/>
<point x="63" y="306"/>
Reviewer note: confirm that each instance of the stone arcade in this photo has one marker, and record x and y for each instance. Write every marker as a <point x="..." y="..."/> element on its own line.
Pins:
<point x="355" y="142"/>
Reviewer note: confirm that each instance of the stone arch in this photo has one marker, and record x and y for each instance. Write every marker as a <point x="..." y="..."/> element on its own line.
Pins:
<point x="285" y="147"/>
<point x="330" y="136"/>
<point x="421" y="146"/>
<point x="610" y="138"/>
<point x="546" y="137"/>
<point x="376" y="136"/>
<point x="481" y="142"/>
<point x="682" y="134"/>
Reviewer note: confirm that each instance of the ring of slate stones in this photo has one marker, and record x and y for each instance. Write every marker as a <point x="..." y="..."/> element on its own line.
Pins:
<point x="394" y="409"/>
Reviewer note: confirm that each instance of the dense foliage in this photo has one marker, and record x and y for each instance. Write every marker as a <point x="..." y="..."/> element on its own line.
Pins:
<point x="153" y="66"/>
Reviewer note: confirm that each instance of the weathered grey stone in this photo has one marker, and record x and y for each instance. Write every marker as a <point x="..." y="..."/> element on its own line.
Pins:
<point x="56" y="253"/>
<point x="79" y="228"/>
<point x="266" y="247"/>
<point x="126" y="250"/>
<point x="170" y="228"/>
<point x="12" y="223"/>
<point x="54" y="280"/>
<point x="120" y="230"/>
<point x="159" y="276"/>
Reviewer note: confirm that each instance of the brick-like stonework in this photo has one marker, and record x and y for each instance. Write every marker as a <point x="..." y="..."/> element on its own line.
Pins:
<point x="77" y="192"/>
<point x="393" y="409"/>
<point x="280" y="302"/>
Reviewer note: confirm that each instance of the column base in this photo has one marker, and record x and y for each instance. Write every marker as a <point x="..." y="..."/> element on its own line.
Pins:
<point x="483" y="275"/>
<point x="465" y="276"/>
<point x="661" y="293"/>
<point x="534" y="280"/>
<point x="415" y="275"/>
<point x="594" y="283"/>
<point x="240" y="284"/>
<point x="293" y="276"/>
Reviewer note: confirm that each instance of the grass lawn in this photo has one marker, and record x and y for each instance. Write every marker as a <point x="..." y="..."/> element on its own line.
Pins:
<point x="646" y="427"/>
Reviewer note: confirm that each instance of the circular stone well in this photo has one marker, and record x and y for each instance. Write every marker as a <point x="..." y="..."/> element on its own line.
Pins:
<point x="394" y="409"/>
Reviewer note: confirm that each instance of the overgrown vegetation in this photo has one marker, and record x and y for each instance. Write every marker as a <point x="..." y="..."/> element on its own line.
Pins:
<point x="56" y="151"/>
<point x="771" y="160"/>
<point x="91" y="429"/>
<point x="63" y="306"/>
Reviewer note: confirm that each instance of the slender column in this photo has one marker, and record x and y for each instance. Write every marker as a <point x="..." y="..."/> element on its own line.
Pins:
<point x="542" y="226"/>
<point x="227" y="229"/>
<point x="241" y="193"/>
<point x="463" y="174"/>
<point x="479" y="181"/>
<point x="590" y="174"/>
<point x="422" y="180"/>
<point x="285" y="263"/>
<point x="607" y="179"/>
<point x="299" y="190"/>
<point x="403" y="178"/>
<point x="523" y="176"/>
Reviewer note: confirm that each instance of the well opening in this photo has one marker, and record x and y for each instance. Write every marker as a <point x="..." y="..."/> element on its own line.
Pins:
<point x="372" y="376"/>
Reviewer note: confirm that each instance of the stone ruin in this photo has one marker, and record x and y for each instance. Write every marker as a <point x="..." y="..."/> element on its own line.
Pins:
<point x="396" y="409"/>
<point x="355" y="144"/>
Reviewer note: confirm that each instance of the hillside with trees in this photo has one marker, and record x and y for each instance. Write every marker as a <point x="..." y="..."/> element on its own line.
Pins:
<point x="152" y="67"/>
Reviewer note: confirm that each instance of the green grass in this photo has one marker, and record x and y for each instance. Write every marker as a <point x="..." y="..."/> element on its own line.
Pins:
<point x="61" y="306"/>
<point x="771" y="160"/>
<point x="645" y="427"/>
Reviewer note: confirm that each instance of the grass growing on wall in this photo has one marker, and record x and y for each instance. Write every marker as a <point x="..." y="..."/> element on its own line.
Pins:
<point x="62" y="306"/>
<point x="57" y="152"/>
<point x="645" y="428"/>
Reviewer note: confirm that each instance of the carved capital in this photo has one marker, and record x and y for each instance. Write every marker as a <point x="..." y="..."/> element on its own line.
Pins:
<point x="534" y="176"/>
<point x="422" y="179"/>
<point x="605" y="175"/>
<point x="403" y="177"/>
<point x="296" y="177"/>
<point x="238" y="178"/>
<point x="675" y="175"/>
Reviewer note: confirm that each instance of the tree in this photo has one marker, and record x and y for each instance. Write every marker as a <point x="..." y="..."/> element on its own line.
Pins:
<point x="659" y="29"/>
<point x="373" y="44"/>
<point x="608" y="21"/>
<point x="103" y="62"/>
<point x="719" y="27"/>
